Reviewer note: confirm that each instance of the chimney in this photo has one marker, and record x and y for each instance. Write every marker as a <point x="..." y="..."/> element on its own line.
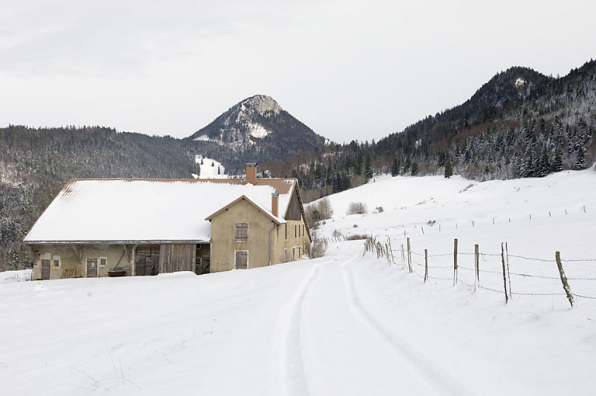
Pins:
<point x="251" y="173"/>
<point x="274" y="203"/>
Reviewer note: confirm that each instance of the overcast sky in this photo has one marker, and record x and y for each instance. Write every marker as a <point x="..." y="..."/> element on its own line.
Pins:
<point x="348" y="69"/>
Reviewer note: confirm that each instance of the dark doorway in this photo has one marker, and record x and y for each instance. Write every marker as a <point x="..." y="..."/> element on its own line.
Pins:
<point x="45" y="269"/>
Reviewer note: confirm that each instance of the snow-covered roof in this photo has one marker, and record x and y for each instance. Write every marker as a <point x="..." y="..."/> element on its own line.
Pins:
<point x="119" y="210"/>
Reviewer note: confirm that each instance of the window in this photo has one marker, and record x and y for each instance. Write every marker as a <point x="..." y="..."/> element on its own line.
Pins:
<point x="295" y="231"/>
<point x="241" y="231"/>
<point x="56" y="261"/>
<point x="241" y="259"/>
<point x="286" y="232"/>
<point x="103" y="261"/>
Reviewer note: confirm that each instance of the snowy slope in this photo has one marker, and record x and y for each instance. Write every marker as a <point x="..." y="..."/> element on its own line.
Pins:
<point x="345" y="324"/>
<point x="210" y="168"/>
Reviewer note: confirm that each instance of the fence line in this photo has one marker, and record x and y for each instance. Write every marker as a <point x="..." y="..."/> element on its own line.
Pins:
<point x="373" y="244"/>
<point x="501" y="219"/>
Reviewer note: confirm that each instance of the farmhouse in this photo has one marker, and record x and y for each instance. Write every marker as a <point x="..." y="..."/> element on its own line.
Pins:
<point x="116" y="227"/>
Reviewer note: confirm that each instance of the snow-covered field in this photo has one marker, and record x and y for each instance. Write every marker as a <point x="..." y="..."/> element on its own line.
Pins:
<point x="344" y="324"/>
<point x="210" y="169"/>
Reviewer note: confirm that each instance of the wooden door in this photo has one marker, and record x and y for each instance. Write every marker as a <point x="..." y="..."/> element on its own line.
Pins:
<point x="241" y="259"/>
<point x="91" y="268"/>
<point x="206" y="265"/>
<point x="46" y="266"/>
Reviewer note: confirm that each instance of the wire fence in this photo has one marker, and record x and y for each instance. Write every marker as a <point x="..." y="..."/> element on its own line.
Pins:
<point x="433" y="226"/>
<point x="491" y="271"/>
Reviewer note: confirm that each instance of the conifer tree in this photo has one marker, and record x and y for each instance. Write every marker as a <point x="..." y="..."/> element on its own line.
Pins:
<point x="448" y="170"/>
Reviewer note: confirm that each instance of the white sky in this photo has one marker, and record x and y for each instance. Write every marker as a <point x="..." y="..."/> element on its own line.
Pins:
<point x="349" y="69"/>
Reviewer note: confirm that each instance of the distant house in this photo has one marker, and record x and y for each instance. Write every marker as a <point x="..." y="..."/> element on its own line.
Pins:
<point x="101" y="227"/>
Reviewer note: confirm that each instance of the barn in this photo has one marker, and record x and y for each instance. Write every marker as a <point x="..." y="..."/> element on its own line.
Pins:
<point x="135" y="227"/>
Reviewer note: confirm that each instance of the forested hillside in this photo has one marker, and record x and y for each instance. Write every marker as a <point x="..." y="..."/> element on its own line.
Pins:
<point x="519" y="124"/>
<point x="35" y="163"/>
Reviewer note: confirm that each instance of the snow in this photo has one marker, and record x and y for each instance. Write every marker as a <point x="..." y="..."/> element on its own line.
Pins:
<point x="208" y="171"/>
<point x="257" y="130"/>
<point x="202" y="138"/>
<point x="520" y="82"/>
<point x="15" y="276"/>
<point x="133" y="210"/>
<point x="344" y="324"/>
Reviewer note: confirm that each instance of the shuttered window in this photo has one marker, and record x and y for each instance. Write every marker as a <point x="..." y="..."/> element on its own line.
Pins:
<point x="241" y="259"/>
<point x="241" y="231"/>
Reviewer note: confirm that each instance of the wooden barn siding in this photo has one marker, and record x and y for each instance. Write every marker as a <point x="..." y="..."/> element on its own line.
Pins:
<point x="174" y="258"/>
<point x="294" y="209"/>
<point x="147" y="260"/>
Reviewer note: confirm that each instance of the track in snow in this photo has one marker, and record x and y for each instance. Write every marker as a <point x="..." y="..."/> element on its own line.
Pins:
<point x="442" y="382"/>
<point x="329" y="339"/>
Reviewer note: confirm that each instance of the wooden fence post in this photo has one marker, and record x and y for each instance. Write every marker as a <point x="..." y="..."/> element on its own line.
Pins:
<point x="454" y="262"/>
<point x="564" y="278"/>
<point x="409" y="256"/>
<point x="403" y="257"/>
<point x="504" y="273"/>
<point x="508" y="273"/>
<point x="477" y="265"/>
<point x="391" y="249"/>
<point x="425" y="265"/>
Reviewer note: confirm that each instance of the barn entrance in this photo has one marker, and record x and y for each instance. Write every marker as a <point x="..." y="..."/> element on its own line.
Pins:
<point x="147" y="260"/>
<point x="203" y="259"/>
<point x="91" y="268"/>
<point x="45" y="269"/>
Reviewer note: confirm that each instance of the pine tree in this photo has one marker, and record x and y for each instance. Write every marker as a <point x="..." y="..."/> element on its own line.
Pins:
<point x="395" y="167"/>
<point x="558" y="162"/>
<point x="414" y="168"/>
<point x="580" y="161"/>
<point x="448" y="170"/>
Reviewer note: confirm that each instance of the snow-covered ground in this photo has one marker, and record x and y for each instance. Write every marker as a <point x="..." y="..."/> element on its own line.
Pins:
<point x="210" y="169"/>
<point x="344" y="324"/>
<point x="15" y="276"/>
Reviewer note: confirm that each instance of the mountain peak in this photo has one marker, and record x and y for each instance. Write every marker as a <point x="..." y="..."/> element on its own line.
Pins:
<point x="259" y="123"/>
<point x="262" y="104"/>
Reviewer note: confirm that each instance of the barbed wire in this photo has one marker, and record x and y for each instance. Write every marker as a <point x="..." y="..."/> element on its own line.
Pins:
<point x="580" y="296"/>
<point x="438" y="278"/>
<point x="537" y="276"/>
<point x="578" y="260"/>
<point x="440" y="255"/>
<point x="537" y="294"/>
<point x="532" y="258"/>
<point x="490" y="254"/>
<point x="465" y="283"/>
<point x="490" y="289"/>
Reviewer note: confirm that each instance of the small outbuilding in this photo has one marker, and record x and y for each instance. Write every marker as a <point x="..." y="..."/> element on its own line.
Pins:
<point x="115" y="227"/>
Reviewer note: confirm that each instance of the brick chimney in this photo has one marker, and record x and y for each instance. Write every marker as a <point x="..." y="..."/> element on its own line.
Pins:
<point x="274" y="203"/>
<point x="251" y="173"/>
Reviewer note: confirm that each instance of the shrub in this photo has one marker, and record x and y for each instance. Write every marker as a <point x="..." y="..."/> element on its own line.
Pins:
<point x="317" y="212"/>
<point x="356" y="237"/>
<point x="357" y="208"/>
<point x="318" y="248"/>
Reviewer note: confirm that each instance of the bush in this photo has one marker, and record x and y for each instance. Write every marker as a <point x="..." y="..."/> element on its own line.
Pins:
<point x="318" y="248"/>
<point x="357" y="208"/>
<point x="356" y="237"/>
<point x="317" y="212"/>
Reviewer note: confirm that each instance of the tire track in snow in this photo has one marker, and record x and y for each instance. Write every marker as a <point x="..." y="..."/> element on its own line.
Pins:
<point x="290" y="377"/>
<point x="439" y="380"/>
